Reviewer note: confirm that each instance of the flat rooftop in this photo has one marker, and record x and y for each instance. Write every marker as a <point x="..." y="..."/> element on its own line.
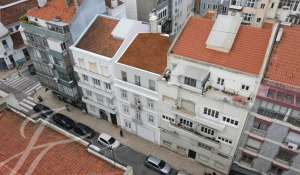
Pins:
<point x="246" y="55"/>
<point x="62" y="159"/>
<point x="98" y="38"/>
<point x="284" y="64"/>
<point x="148" y="52"/>
<point x="54" y="9"/>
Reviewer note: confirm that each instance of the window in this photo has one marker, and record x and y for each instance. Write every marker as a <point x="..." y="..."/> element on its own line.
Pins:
<point x="207" y="131"/>
<point x="250" y="3"/>
<point x="245" y="87"/>
<point x="138" y="115"/>
<point x="230" y="121"/>
<point x="253" y="144"/>
<point x="4" y="43"/>
<point x="17" y="27"/>
<point x="127" y="124"/>
<point x="247" y="158"/>
<point x="225" y="140"/>
<point x="137" y="80"/>
<point x="262" y="5"/>
<point x="186" y="123"/>
<point x="124" y="76"/>
<point x="167" y="143"/>
<point x="258" y="19"/>
<point x="272" y="5"/>
<point x="25" y="52"/>
<point x="150" y="118"/>
<point x="100" y="98"/>
<point x="211" y="112"/>
<point x="85" y="77"/>
<point x="88" y="92"/>
<point x="260" y="125"/>
<point x="124" y="94"/>
<point x="96" y="82"/>
<point x="190" y="81"/>
<point x="150" y="103"/>
<point x="247" y="17"/>
<point x="204" y="146"/>
<point x="108" y="86"/>
<point x="220" y="81"/>
<point x="152" y="85"/>
<point x="125" y="109"/>
<point x="63" y="46"/>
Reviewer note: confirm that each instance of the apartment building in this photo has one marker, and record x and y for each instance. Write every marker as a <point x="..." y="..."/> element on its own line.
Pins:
<point x="254" y="12"/>
<point x="288" y="12"/>
<point x="213" y="72"/>
<point x="94" y="53"/>
<point x="49" y="30"/>
<point x="136" y="75"/>
<point x="180" y="11"/>
<point x="270" y="142"/>
<point x="13" y="52"/>
<point x="218" y="6"/>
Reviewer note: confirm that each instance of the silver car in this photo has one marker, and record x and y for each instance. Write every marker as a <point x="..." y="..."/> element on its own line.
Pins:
<point x="158" y="165"/>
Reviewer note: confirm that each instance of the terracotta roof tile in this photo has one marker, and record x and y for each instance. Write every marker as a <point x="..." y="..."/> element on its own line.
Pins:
<point x="68" y="158"/>
<point x="11" y="14"/>
<point x="247" y="53"/>
<point x="98" y="38"/>
<point x="284" y="65"/>
<point x="54" y="9"/>
<point x="148" y="52"/>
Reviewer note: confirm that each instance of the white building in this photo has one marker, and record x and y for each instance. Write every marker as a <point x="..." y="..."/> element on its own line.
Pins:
<point x="214" y="70"/>
<point x="100" y="45"/>
<point x="136" y="75"/>
<point x="180" y="11"/>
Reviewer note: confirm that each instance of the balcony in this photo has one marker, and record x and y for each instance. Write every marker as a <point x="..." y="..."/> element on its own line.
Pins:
<point x="193" y="131"/>
<point x="137" y="106"/>
<point x="105" y="77"/>
<point x="236" y="5"/>
<point x="137" y="121"/>
<point x="294" y="121"/>
<point x="270" y="113"/>
<point x="259" y="132"/>
<point x="32" y="28"/>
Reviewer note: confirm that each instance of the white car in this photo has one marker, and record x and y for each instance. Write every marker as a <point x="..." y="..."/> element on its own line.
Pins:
<point x="108" y="141"/>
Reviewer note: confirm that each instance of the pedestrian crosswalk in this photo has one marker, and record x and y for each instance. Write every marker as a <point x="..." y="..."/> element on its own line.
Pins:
<point x="24" y="84"/>
<point x="27" y="104"/>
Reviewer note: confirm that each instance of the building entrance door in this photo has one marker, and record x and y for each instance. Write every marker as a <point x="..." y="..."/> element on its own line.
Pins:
<point x="103" y="115"/>
<point x="113" y="118"/>
<point x="192" y="154"/>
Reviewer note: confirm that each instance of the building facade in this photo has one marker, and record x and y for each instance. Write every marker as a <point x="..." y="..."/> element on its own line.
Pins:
<point x="94" y="59"/>
<point x="204" y="102"/>
<point x="271" y="138"/>
<point x="48" y="34"/>
<point x="218" y="6"/>
<point x="13" y="52"/>
<point x="136" y="84"/>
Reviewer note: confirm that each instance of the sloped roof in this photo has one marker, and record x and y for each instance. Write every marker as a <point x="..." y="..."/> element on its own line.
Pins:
<point x="284" y="65"/>
<point x="247" y="53"/>
<point x="148" y="52"/>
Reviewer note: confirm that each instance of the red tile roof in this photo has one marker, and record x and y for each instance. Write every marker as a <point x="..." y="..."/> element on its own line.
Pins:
<point x="98" y="39"/>
<point x="11" y="14"/>
<point x="148" y="52"/>
<point x="247" y="53"/>
<point x="63" y="159"/>
<point x="54" y="9"/>
<point x="284" y="65"/>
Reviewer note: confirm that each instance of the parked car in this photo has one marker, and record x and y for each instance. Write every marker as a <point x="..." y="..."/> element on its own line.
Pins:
<point x="83" y="130"/>
<point x="43" y="110"/>
<point x="158" y="165"/>
<point x="63" y="121"/>
<point x="108" y="141"/>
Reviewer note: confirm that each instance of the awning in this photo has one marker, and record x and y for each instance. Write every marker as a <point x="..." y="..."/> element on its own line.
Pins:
<point x="196" y="73"/>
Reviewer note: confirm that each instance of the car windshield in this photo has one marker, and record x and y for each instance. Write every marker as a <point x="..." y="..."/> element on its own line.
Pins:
<point x="161" y="164"/>
<point x="111" y="140"/>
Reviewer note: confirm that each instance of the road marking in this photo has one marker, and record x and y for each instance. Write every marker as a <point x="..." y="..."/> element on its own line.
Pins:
<point x="19" y="82"/>
<point x="12" y="80"/>
<point x="32" y="88"/>
<point x="29" y="102"/>
<point x="29" y="98"/>
<point x="25" y="105"/>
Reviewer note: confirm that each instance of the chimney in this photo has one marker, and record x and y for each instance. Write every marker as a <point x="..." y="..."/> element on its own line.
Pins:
<point x="154" y="27"/>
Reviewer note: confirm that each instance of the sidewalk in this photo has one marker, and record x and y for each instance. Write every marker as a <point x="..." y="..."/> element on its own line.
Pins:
<point x="14" y="71"/>
<point x="136" y="143"/>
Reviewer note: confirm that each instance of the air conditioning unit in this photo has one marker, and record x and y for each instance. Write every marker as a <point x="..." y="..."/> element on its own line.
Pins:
<point x="292" y="146"/>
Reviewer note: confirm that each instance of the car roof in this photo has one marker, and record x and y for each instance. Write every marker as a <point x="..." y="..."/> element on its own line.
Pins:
<point x="153" y="159"/>
<point x="83" y="126"/>
<point x="105" y="136"/>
